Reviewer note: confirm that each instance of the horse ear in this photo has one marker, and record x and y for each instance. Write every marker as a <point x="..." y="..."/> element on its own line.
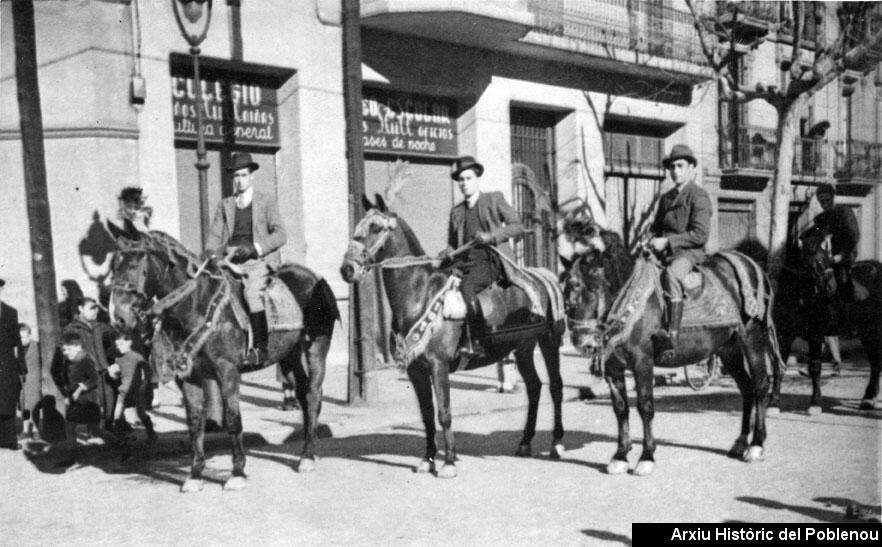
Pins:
<point x="366" y="203"/>
<point x="381" y="203"/>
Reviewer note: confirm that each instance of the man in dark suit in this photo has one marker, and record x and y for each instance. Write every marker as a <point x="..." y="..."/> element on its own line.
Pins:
<point x="842" y="225"/>
<point x="485" y="218"/>
<point x="12" y="370"/>
<point x="679" y="234"/>
<point x="247" y="229"/>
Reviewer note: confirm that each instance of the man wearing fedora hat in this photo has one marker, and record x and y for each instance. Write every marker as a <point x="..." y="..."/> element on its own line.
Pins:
<point x="247" y="230"/>
<point x="679" y="234"/>
<point x="486" y="219"/>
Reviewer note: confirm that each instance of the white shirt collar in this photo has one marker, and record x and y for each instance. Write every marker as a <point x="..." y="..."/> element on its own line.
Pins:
<point x="472" y="200"/>
<point x="244" y="199"/>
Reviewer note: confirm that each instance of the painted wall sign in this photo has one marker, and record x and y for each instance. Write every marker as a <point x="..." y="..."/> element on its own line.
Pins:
<point x="408" y="125"/>
<point x="234" y="112"/>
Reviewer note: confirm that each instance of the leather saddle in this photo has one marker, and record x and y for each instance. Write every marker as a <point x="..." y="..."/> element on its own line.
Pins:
<point x="504" y="315"/>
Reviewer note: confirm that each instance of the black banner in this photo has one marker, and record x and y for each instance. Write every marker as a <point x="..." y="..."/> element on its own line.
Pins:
<point x="406" y="124"/>
<point x="831" y="534"/>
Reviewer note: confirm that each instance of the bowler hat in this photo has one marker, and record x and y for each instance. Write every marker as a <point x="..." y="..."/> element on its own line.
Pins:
<point x="241" y="160"/>
<point x="463" y="163"/>
<point x="679" y="152"/>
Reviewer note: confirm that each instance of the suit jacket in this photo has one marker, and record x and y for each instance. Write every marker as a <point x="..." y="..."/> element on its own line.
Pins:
<point x="11" y="360"/>
<point x="496" y="217"/>
<point x="843" y="226"/>
<point x="266" y="223"/>
<point x="684" y="218"/>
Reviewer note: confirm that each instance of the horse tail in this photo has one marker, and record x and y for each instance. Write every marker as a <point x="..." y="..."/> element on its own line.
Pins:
<point x="321" y="312"/>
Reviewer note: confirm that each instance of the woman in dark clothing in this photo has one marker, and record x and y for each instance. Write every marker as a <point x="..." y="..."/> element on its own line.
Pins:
<point x="71" y="295"/>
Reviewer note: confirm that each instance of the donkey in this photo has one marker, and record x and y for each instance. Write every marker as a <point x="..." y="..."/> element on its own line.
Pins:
<point x="414" y="287"/>
<point x="155" y="277"/>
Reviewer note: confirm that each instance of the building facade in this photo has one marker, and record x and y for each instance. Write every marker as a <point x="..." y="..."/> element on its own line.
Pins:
<point x="563" y="101"/>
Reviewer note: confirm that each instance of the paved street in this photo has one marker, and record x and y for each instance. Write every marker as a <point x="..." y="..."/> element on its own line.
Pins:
<point x="365" y="493"/>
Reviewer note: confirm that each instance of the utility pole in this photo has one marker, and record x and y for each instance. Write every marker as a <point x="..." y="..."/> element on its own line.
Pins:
<point x="37" y="195"/>
<point x="362" y="295"/>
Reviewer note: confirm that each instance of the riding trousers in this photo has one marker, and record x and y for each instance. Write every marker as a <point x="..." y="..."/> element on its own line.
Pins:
<point x="256" y="278"/>
<point x="675" y="273"/>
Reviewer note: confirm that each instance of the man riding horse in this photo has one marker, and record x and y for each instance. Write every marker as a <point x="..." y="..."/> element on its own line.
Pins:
<point x="679" y="234"/>
<point x="247" y="230"/>
<point x="483" y="218"/>
<point x="839" y="221"/>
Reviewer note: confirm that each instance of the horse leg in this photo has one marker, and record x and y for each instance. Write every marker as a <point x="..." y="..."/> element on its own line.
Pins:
<point x="441" y="382"/>
<point x="549" y="346"/>
<point x="873" y="346"/>
<point x="756" y="351"/>
<point x="309" y="393"/>
<point x="644" y="380"/>
<point x="418" y="372"/>
<point x="228" y="378"/>
<point x="527" y="368"/>
<point x="194" y="401"/>
<point x="785" y="340"/>
<point x="615" y="377"/>
<point x="814" y="343"/>
<point x="733" y="360"/>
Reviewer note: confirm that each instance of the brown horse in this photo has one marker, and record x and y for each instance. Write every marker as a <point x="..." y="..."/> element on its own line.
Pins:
<point x="619" y="321"/>
<point x="156" y="278"/>
<point x="811" y="305"/>
<point x="382" y="239"/>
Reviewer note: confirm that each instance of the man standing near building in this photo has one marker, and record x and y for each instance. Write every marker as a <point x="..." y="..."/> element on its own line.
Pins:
<point x="12" y="370"/>
<point x="679" y="234"/>
<point x="247" y="229"/>
<point x="484" y="218"/>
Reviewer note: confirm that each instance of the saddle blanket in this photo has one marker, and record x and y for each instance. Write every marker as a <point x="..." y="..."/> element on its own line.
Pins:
<point x="713" y="308"/>
<point x="282" y="311"/>
<point x="532" y="281"/>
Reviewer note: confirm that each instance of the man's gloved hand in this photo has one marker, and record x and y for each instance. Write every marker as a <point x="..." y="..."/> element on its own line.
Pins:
<point x="484" y="238"/>
<point x="208" y="254"/>
<point x="244" y="253"/>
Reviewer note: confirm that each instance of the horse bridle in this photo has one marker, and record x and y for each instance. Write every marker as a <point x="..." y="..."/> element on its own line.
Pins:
<point x="138" y="288"/>
<point x="589" y="326"/>
<point x="358" y="252"/>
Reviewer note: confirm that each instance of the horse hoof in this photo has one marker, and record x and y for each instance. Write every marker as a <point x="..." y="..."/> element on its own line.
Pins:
<point x="773" y="411"/>
<point x="306" y="465"/>
<point x="644" y="468"/>
<point x="524" y="451"/>
<point x="448" y="471"/>
<point x="191" y="486"/>
<point x="234" y="484"/>
<point x="617" y="467"/>
<point x="814" y="410"/>
<point x="753" y="454"/>
<point x="557" y="451"/>
<point x="869" y="404"/>
<point x="425" y="466"/>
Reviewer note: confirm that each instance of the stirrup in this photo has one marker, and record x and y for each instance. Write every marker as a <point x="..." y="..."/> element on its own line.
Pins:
<point x="256" y="358"/>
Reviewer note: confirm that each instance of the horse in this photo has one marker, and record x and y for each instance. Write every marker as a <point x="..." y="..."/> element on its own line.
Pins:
<point x="811" y="305"/>
<point x="414" y="287"/>
<point x="620" y="333"/>
<point x="197" y="324"/>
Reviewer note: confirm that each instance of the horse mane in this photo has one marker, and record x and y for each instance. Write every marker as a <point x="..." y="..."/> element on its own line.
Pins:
<point x="616" y="261"/>
<point x="409" y="236"/>
<point x="174" y="246"/>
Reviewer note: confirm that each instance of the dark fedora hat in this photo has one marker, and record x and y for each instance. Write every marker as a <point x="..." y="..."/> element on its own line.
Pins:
<point x="241" y="160"/>
<point x="463" y="163"/>
<point x="679" y="152"/>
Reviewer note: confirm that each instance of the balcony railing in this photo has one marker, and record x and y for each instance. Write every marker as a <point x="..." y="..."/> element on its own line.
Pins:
<point x="755" y="148"/>
<point x="645" y="26"/>
<point x="859" y="159"/>
<point x="764" y="11"/>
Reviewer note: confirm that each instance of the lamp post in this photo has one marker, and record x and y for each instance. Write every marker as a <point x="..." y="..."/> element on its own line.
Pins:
<point x="193" y="17"/>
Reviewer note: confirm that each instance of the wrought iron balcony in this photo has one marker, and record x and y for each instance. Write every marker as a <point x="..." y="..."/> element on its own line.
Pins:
<point x="763" y="11"/>
<point x="754" y="149"/>
<point x="747" y="21"/>
<point x="859" y="160"/>
<point x="642" y="26"/>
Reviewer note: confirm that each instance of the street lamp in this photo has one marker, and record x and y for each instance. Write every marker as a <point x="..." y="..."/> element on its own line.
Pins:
<point x="193" y="17"/>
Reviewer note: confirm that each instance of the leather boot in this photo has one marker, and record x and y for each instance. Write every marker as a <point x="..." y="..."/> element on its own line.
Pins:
<point x="666" y="341"/>
<point x="472" y="347"/>
<point x="257" y="357"/>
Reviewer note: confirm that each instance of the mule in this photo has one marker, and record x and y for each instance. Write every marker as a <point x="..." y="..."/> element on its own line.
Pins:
<point x="413" y="285"/>
<point x="810" y="305"/>
<point x="620" y="332"/>
<point x="156" y="278"/>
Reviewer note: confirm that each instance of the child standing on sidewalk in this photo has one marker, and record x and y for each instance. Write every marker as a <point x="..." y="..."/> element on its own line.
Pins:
<point x="134" y="374"/>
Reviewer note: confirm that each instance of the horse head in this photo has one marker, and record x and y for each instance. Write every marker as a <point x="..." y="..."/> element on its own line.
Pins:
<point x="586" y="295"/>
<point x="379" y="235"/>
